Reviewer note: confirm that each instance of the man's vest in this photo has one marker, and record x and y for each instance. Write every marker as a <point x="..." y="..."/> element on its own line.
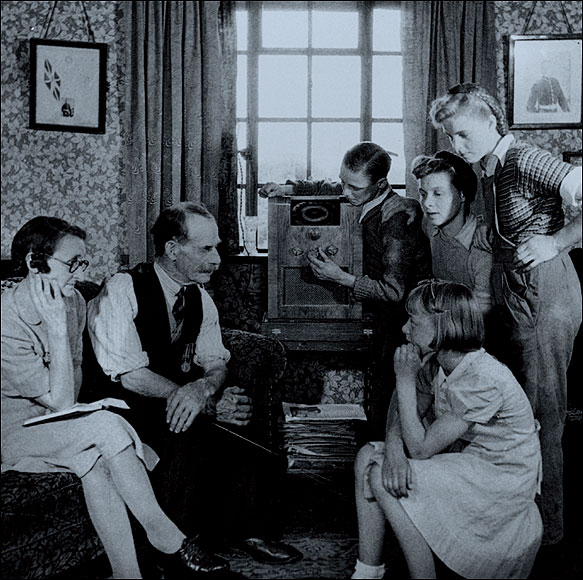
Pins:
<point x="172" y="360"/>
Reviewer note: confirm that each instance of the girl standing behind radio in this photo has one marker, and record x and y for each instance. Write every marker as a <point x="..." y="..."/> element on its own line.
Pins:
<point x="396" y="256"/>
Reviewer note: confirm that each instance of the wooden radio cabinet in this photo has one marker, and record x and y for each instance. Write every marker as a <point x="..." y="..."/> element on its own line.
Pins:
<point x="304" y="311"/>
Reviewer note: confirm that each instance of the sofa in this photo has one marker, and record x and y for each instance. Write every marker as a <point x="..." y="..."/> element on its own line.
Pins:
<point x="45" y="525"/>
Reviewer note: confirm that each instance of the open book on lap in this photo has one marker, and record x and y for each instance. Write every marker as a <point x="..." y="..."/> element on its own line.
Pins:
<point x="77" y="410"/>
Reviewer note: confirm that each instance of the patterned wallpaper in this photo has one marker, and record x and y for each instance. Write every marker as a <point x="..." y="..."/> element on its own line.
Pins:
<point x="547" y="18"/>
<point x="75" y="176"/>
<point x="78" y="176"/>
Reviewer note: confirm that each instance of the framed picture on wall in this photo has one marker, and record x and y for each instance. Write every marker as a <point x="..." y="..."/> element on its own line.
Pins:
<point x="67" y="86"/>
<point x="544" y="81"/>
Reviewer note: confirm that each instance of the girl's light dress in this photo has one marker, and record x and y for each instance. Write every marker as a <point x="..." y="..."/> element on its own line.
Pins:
<point x="475" y="508"/>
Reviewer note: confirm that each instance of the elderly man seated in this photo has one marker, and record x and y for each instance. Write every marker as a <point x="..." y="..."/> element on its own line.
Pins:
<point x="155" y="331"/>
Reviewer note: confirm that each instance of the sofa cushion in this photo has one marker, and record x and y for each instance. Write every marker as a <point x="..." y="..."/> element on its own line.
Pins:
<point x="45" y="524"/>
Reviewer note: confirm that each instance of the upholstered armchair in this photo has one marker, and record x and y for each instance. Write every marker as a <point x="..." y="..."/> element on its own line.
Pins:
<point x="46" y="527"/>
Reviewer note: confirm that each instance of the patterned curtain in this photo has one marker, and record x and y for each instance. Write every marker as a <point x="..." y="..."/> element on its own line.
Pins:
<point x="444" y="43"/>
<point x="180" y="115"/>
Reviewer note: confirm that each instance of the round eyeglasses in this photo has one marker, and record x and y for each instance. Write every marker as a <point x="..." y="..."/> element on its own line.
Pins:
<point x="74" y="264"/>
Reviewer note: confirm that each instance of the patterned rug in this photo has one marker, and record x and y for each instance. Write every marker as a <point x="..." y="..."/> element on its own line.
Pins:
<point x="326" y="556"/>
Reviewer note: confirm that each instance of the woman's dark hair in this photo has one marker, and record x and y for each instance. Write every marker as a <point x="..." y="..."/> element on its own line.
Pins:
<point x="171" y="224"/>
<point x="40" y="237"/>
<point x="461" y="173"/>
<point x="370" y="158"/>
<point x="459" y="324"/>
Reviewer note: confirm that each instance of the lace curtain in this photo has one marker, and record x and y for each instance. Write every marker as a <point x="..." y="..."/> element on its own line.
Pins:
<point x="179" y="115"/>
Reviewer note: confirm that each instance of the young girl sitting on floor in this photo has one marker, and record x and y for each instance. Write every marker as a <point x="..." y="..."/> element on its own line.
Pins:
<point x="473" y="507"/>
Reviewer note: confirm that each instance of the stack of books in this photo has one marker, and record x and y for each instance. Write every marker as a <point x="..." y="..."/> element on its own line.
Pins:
<point x="321" y="438"/>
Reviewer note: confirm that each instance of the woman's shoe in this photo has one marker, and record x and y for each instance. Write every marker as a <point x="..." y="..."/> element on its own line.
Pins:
<point x="191" y="559"/>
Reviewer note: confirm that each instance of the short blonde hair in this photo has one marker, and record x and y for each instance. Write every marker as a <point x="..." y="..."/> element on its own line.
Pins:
<point x="468" y="97"/>
<point x="459" y="324"/>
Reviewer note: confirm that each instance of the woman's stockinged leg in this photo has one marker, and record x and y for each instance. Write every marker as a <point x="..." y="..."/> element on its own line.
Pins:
<point x="371" y="519"/>
<point x="108" y="513"/>
<point x="133" y="484"/>
<point x="417" y="552"/>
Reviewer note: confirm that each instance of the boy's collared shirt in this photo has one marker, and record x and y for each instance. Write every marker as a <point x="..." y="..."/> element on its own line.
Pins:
<point x="370" y="205"/>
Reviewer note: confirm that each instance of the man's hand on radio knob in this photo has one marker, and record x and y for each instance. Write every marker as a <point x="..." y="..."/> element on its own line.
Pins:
<point x="272" y="189"/>
<point x="325" y="268"/>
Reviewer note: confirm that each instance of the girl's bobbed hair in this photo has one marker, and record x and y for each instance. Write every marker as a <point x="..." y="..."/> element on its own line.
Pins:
<point x="459" y="324"/>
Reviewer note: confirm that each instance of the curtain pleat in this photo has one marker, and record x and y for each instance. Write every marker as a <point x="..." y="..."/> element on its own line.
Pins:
<point x="444" y="43"/>
<point x="180" y="115"/>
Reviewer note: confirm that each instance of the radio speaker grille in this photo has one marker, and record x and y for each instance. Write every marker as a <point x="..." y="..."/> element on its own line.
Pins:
<point x="302" y="288"/>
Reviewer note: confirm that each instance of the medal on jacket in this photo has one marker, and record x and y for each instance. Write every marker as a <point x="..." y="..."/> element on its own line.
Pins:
<point x="187" y="357"/>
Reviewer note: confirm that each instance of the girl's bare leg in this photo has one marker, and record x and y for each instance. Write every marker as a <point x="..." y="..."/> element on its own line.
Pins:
<point x="371" y="519"/>
<point x="417" y="552"/>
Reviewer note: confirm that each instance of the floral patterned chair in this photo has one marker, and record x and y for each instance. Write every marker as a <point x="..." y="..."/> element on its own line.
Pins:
<point x="45" y="523"/>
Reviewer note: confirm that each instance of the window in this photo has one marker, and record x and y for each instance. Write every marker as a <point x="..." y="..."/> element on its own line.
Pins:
<point x="314" y="78"/>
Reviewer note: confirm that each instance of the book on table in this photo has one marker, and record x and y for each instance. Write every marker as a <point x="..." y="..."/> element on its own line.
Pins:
<point x="77" y="410"/>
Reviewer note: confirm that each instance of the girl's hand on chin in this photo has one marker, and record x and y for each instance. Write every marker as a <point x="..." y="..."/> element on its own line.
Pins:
<point x="407" y="361"/>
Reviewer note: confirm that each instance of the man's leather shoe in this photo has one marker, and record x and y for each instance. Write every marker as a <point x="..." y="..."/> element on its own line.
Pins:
<point x="269" y="552"/>
<point x="191" y="559"/>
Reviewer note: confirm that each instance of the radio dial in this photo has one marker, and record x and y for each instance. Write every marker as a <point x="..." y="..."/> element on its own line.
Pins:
<point x="331" y="250"/>
<point x="314" y="234"/>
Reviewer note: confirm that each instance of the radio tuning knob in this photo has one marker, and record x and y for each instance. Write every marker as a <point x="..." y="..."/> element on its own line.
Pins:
<point x="331" y="250"/>
<point x="297" y="251"/>
<point x="314" y="234"/>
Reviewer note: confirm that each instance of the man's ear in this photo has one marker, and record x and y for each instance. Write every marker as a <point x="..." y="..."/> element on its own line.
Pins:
<point x="170" y="249"/>
<point x="383" y="183"/>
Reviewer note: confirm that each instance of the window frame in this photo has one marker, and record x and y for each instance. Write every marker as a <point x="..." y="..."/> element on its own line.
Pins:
<point x="254" y="50"/>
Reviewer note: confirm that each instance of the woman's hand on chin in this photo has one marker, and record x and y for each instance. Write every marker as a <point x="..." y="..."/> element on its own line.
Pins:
<point x="48" y="300"/>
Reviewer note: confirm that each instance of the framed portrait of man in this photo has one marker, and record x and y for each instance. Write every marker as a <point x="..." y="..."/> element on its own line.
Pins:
<point x="544" y="81"/>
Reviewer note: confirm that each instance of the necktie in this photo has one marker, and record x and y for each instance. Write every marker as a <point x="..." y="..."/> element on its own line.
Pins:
<point x="179" y="306"/>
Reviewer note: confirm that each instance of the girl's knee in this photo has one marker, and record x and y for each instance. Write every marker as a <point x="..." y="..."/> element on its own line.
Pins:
<point x="376" y="479"/>
<point x="363" y="459"/>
